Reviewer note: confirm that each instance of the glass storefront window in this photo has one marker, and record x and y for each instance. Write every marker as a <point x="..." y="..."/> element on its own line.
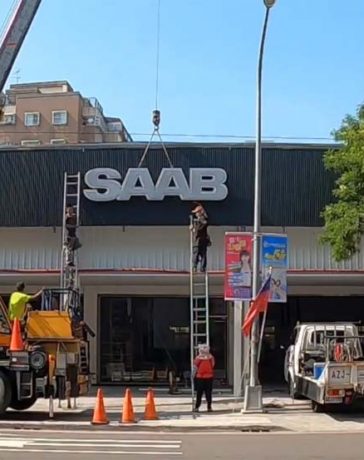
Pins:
<point x="141" y="338"/>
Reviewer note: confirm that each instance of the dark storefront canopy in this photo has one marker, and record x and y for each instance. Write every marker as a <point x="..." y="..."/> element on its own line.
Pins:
<point x="295" y="186"/>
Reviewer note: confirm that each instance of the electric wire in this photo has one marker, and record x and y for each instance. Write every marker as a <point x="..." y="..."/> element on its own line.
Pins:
<point x="192" y="135"/>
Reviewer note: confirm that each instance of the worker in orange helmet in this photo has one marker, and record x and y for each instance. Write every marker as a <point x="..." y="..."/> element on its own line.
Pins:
<point x="201" y="238"/>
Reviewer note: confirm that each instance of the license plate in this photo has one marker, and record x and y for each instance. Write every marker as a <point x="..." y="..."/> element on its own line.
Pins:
<point x="339" y="374"/>
<point x="333" y="400"/>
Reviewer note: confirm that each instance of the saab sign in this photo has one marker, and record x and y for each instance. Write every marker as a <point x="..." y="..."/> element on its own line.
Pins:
<point x="203" y="184"/>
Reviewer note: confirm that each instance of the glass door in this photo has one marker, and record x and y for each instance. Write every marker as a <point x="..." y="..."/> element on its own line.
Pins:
<point x="116" y="346"/>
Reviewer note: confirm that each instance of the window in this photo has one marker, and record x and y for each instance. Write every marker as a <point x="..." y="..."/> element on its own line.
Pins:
<point x="115" y="126"/>
<point x="58" y="141"/>
<point x="59" y="117"/>
<point x="9" y="120"/>
<point x="32" y="118"/>
<point x="30" y="143"/>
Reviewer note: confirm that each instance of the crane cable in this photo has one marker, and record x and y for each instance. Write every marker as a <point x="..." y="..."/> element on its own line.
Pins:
<point x="157" y="54"/>
<point x="156" y="117"/>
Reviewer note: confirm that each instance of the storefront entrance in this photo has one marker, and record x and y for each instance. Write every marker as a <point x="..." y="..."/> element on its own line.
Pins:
<point x="142" y="338"/>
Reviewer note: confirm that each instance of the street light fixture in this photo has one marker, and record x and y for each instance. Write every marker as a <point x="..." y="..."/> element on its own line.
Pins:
<point x="253" y="391"/>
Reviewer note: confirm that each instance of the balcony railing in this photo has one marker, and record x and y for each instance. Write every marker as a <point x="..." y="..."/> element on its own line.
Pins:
<point x="93" y="102"/>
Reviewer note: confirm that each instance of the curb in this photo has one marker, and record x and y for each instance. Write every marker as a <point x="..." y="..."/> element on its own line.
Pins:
<point x="116" y="427"/>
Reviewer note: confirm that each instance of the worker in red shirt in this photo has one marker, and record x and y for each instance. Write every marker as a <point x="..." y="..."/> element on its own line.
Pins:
<point x="204" y="375"/>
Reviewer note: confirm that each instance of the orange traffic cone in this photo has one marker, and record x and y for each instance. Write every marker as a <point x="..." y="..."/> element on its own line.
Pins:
<point x="128" y="411"/>
<point x="150" y="412"/>
<point x="16" y="343"/>
<point x="100" y="417"/>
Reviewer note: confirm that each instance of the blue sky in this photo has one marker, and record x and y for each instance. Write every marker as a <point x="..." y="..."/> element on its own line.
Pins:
<point x="313" y="72"/>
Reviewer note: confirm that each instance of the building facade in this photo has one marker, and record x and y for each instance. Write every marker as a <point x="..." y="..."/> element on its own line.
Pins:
<point x="135" y="258"/>
<point x="52" y="113"/>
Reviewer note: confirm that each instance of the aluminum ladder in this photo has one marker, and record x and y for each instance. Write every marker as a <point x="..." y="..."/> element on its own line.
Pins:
<point x="199" y="310"/>
<point x="71" y="197"/>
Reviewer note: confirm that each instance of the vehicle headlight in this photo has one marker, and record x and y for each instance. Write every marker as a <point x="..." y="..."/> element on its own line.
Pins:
<point x="38" y="360"/>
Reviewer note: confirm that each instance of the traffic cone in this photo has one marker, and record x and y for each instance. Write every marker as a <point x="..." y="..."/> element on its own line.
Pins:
<point x="16" y="343"/>
<point x="99" y="417"/>
<point x="128" y="411"/>
<point x="150" y="412"/>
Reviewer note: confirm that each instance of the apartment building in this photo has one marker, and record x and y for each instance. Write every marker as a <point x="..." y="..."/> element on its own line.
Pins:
<point x="53" y="113"/>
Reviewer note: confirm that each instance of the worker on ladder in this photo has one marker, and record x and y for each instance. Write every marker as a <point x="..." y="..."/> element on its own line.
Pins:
<point x="72" y="242"/>
<point x="201" y="238"/>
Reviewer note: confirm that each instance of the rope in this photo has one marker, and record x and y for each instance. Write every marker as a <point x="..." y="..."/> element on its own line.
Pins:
<point x="165" y="149"/>
<point x="155" y="131"/>
<point x="146" y="149"/>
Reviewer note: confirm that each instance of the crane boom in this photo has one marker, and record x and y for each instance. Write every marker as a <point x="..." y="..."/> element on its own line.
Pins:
<point x="14" y="36"/>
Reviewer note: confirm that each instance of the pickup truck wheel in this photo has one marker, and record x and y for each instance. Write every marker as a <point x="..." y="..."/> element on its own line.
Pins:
<point x="5" y="392"/>
<point x="22" y="404"/>
<point x="316" y="407"/>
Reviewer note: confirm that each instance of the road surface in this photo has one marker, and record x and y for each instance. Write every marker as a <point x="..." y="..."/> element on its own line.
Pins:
<point x="41" y="445"/>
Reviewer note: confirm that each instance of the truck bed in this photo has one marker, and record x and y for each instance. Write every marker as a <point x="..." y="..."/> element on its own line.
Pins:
<point x="337" y="379"/>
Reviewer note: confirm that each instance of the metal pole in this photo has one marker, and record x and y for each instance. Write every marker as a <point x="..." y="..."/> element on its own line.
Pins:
<point x="253" y="392"/>
<point x="192" y="348"/>
<point x="237" y="347"/>
<point x="262" y="327"/>
<point x="261" y="335"/>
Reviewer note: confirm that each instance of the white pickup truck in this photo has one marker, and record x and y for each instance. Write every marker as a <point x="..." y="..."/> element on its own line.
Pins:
<point x="325" y="364"/>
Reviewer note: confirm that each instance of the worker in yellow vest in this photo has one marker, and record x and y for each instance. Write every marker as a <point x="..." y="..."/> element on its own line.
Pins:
<point x="19" y="300"/>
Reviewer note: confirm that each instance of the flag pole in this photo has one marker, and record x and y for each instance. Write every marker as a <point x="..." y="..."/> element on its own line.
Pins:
<point x="263" y="325"/>
<point x="261" y="335"/>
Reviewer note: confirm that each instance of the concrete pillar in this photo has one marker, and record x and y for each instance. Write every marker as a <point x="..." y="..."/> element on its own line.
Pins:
<point x="237" y="352"/>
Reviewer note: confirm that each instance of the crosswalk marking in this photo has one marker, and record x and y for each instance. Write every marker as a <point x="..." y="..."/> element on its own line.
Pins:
<point x="11" y="443"/>
<point x="105" y="452"/>
<point x="105" y="441"/>
<point x="97" y="444"/>
<point x="111" y="446"/>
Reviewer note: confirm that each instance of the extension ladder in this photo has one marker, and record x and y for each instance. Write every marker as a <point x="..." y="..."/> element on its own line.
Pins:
<point x="71" y="197"/>
<point x="199" y="310"/>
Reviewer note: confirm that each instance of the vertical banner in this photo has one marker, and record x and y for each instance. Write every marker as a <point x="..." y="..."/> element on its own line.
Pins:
<point x="275" y="255"/>
<point x="238" y="266"/>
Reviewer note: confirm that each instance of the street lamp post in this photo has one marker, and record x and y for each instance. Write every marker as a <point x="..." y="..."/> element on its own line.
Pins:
<point x="253" y="391"/>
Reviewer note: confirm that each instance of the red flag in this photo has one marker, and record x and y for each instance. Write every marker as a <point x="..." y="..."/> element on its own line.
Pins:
<point x="259" y="305"/>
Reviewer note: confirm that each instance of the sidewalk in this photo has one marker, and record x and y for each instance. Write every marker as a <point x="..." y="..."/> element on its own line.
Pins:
<point x="280" y="414"/>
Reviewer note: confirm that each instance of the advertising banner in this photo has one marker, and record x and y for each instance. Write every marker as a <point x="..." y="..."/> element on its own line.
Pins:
<point x="275" y="256"/>
<point x="238" y="266"/>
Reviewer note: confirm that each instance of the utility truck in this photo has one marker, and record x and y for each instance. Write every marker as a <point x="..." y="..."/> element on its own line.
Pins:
<point x="325" y="364"/>
<point x="51" y="356"/>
